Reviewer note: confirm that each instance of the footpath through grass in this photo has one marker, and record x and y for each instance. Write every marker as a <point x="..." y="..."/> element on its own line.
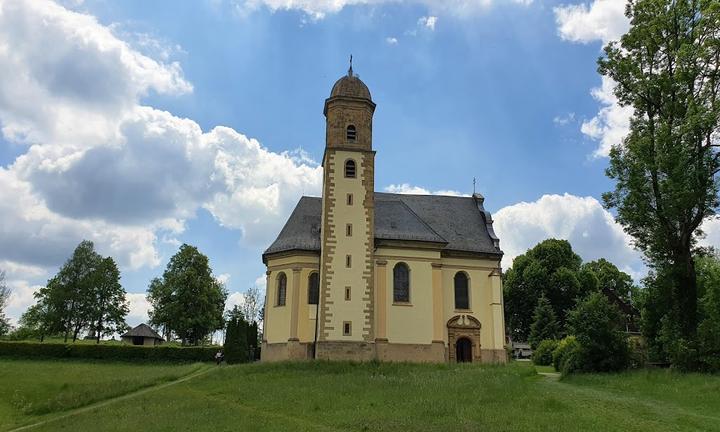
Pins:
<point x="31" y="390"/>
<point x="406" y="397"/>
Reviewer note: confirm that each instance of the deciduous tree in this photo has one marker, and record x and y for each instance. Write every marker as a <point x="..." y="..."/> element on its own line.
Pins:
<point x="667" y="67"/>
<point x="188" y="300"/>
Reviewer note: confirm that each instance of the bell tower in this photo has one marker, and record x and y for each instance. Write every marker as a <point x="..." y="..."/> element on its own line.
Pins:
<point x="345" y="324"/>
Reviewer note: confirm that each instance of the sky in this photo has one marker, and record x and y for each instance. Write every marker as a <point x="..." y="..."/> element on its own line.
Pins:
<point x="144" y="125"/>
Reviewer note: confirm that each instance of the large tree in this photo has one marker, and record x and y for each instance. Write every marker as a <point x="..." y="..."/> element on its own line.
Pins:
<point x="667" y="68"/>
<point x="188" y="300"/>
<point x="107" y="304"/>
<point x="84" y="295"/>
<point x="550" y="269"/>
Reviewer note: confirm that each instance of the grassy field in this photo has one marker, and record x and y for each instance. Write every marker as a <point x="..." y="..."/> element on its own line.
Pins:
<point x="31" y="390"/>
<point x="382" y="397"/>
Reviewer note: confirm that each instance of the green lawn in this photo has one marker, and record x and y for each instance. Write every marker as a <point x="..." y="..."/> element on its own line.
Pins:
<point x="392" y="397"/>
<point x="34" y="389"/>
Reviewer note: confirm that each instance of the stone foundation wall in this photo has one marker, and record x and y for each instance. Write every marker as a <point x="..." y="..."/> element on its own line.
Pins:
<point x="421" y="353"/>
<point x="494" y="356"/>
<point x="354" y="351"/>
<point x="362" y="351"/>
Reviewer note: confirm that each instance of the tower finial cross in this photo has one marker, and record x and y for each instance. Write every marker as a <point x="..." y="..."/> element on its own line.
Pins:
<point x="350" y="71"/>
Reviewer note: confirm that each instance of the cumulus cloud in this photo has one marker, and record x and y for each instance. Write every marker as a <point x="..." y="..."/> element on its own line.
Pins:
<point x="391" y="41"/>
<point x="612" y="123"/>
<point x="604" y="21"/>
<point x="406" y="188"/>
<point x="139" y="308"/>
<point x="99" y="165"/>
<point x="319" y="9"/>
<point x="592" y="230"/>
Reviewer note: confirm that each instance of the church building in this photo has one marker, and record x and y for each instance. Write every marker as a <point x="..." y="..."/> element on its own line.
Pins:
<point x="363" y="275"/>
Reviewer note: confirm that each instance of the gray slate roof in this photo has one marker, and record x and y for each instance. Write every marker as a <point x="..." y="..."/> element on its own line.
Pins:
<point x="143" y="330"/>
<point x="458" y="224"/>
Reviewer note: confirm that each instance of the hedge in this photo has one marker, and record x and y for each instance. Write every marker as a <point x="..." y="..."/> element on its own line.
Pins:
<point x="107" y="352"/>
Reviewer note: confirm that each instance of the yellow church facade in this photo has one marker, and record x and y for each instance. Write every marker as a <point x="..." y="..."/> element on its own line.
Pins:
<point x="362" y="275"/>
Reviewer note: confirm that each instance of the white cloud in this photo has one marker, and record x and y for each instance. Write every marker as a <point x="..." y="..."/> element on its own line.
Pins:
<point x="224" y="278"/>
<point x="391" y="41"/>
<point x="602" y="20"/>
<point x="318" y="9"/>
<point x="428" y="22"/>
<point x="139" y="308"/>
<point x="591" y="230"/>
<point x="406" y="188"/>
<point x="101" y="166"/>
<point x="612" y="122"/>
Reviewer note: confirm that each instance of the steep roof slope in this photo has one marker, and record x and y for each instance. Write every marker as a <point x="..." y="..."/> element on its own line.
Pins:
<point x="458" y="224"/>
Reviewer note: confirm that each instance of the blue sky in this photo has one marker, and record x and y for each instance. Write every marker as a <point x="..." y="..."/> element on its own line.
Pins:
<point x="142" y="125"/>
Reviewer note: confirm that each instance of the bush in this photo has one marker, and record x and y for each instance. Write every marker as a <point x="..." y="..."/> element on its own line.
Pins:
<point x="543" y="354"/>
<point x="564" y="355"/>
<point x="107" y="352"/>
<point x="596" y="324"/>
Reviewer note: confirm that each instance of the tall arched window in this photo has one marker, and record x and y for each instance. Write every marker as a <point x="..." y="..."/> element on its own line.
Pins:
<point x="350" y="168"/>
<point x="281" y="289"/>
<point x="313" y="288"/>
<point x="401" y="283"/>
<point x="351" y="133"/>
<point x="462" y="296"/>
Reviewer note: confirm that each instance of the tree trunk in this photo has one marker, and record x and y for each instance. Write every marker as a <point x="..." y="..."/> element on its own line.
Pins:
<point x="686" y="293"/>
<point x="98" y="331"/>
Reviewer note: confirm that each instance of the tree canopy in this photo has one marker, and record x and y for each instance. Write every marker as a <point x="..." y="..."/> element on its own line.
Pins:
<point x="188" y="301"/>
<point x="84" y="295"/>
<point x="667" y="68"/>
<point x="550" y="269"/>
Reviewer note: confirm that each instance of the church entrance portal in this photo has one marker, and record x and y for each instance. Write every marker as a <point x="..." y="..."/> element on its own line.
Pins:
<point x="463" y="350"/>
<point x="463" y="339"/>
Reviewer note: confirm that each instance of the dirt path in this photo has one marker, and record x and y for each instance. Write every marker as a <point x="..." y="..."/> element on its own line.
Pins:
<point x="105" y="402"/>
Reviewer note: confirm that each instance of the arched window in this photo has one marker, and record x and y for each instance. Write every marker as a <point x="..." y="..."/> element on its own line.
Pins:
<point x="350" y="168"/>
<point x="281" y="289"/>
<point x="313" y="288"/>
<point x="462" y="297"/>
<point x="401" y="283"/>
<point x="351" y="133"/>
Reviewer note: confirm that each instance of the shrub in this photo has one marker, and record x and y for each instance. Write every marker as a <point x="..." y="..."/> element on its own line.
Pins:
<point x="543" y="354"/>
<point x="596" y="324"/>
<point x="564" y="355"/>
<point x="107" y="352"/>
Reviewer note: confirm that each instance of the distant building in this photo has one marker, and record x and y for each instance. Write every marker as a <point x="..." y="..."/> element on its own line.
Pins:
<point x="521" y="350"/>
<point x="362" y="275"/>
<point x="142" y="335"/>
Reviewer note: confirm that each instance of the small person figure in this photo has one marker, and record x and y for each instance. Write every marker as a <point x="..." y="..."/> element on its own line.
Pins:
<point x="219" y="357"/>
